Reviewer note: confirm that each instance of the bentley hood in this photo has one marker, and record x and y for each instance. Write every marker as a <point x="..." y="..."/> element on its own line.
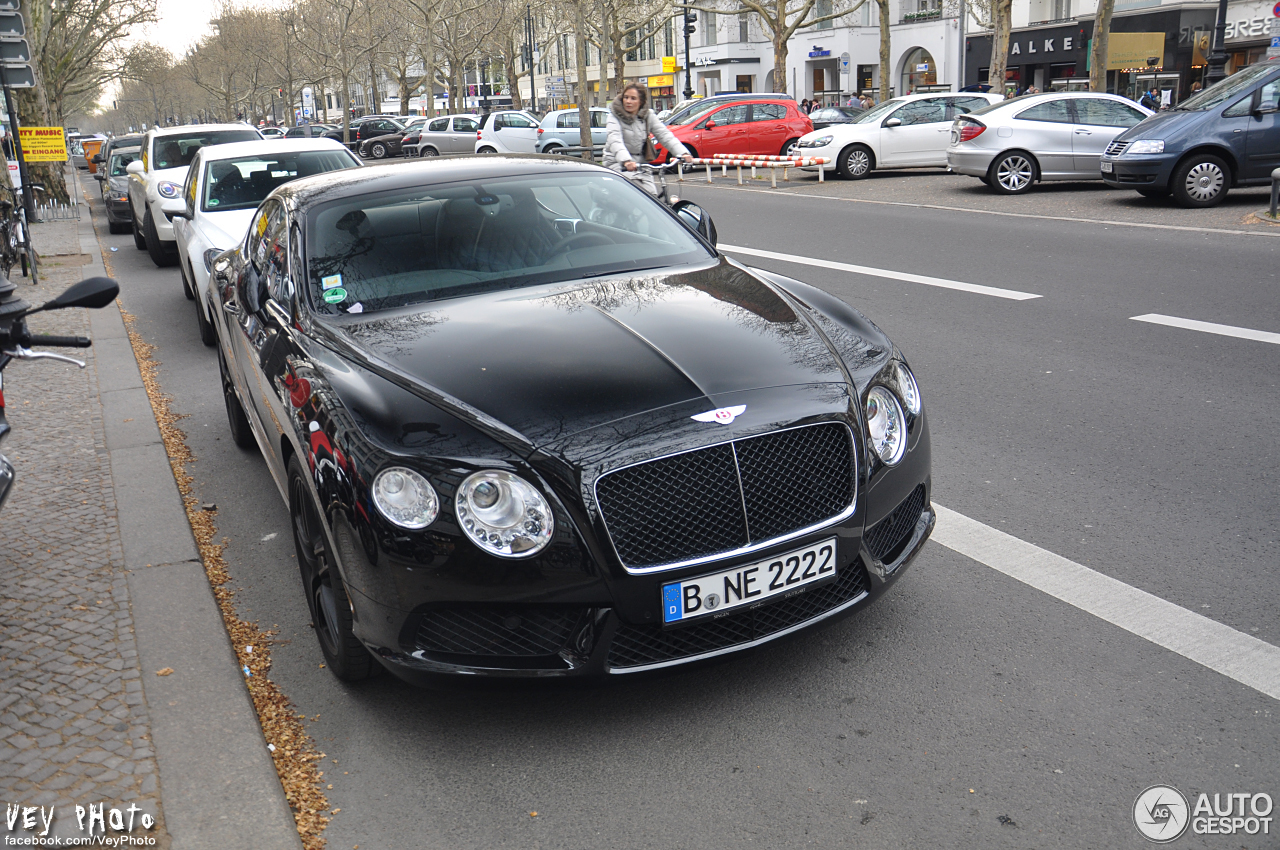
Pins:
<point x="552" y="361"/>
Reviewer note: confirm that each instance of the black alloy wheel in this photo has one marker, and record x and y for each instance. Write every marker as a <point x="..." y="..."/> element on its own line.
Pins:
<point x="237" y="419"/>
<point x="208" y="333"/>
<point x="378" y="150"/>
<point x="1013" y="173"/>
<point x="1199" y="181"/>
<point x="327" y="597"/>
<point x="855" y="162"/>
<point x="155" y="248"/>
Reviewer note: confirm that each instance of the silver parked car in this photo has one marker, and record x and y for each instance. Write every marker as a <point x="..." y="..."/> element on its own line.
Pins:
<point x="444" y="135"/>
<point x="1056" y="136"/>
<point x="559" y="129"/>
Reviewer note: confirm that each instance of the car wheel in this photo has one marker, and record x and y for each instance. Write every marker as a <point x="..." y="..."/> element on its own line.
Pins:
<point x="139" y="241"/>
<point x="425" y="151"/>
<point x="208" y="333"/>
<point x="327" y="598"/>
<point x="486" y="151"/>
<point x="241" y="434"/>
<point x="1154" y="193"/>
<point x="551" y="149"/>
<point x="155" y="247"/>
<point x="1012" y="173"/>
<point x="1200" y="181"/>
<point x="186" y="282"/>
<point x="378" y="150"/>
<point x="856" y="162"/>
<point x="790" y="148"/>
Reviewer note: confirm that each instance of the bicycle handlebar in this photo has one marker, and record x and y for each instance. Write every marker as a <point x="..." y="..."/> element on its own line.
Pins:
<point x="61" y="341"/>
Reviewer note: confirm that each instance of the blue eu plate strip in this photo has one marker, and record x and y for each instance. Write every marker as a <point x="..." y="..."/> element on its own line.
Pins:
<point x="671" y="603"/>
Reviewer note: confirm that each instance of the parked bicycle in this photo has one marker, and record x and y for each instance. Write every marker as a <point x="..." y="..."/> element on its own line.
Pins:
<point x="15" y="236"/>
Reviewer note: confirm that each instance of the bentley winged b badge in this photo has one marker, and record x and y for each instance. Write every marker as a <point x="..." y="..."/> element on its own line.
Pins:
<point x="724" y="415"/>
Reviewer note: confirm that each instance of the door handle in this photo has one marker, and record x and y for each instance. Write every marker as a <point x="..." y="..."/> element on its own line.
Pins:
<point x="1080" y="131"/>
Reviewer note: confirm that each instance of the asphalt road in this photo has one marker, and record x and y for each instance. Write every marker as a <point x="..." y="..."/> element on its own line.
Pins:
<point x="965" y="709"/>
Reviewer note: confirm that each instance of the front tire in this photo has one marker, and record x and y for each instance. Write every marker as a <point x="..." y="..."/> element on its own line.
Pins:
<point x="1200" y="181"/>
<point x="155" y="248"/>
<point x="238" y="421"/>
<point x="855" y="162"/>
<point x="789" y="148"/>
<point x="1013" y="173"/>
<point x="378" y="150"/>
<point x="327" y="598"/>
<point x="426" y="151"/>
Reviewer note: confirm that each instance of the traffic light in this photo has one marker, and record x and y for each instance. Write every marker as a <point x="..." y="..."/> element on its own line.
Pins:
<point x="280" y="91"/>
<point x="689" y="20"/>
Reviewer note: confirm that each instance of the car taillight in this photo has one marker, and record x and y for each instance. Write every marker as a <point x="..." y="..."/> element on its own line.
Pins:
<point x="478" y="136"/>
<point x="541" y="131"/>
<point x="969" y="130"/>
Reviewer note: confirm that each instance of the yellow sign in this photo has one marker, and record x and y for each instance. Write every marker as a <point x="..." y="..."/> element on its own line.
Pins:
<point x="43" y="144"/>
<point x="668" y="65"/>
<point x="1133" y="49"/>
<point x="659" y="82"/>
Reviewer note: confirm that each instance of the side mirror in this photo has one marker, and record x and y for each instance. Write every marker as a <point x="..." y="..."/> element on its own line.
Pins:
<point x="696" y="219"/>
<point x="175" y="208"/>
<point x="250" y="289"/>
<point x="711" y="125"/>
<point x="97" y="157"/>
<point x="135" y="167"/>
<point x="98" y="175"/>
<point x="1255" y="103"/>
<point x="892" y="122"/>
<point x="91" y="292"/>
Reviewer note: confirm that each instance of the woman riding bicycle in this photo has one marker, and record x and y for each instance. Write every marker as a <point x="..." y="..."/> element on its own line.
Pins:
<point x="628" y="128"/>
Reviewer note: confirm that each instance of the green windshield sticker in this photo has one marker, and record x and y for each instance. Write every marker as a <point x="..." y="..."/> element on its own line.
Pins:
<point x="213" y="202"/>
<point x="333" y="296"/>
<point x="330" y="282"/>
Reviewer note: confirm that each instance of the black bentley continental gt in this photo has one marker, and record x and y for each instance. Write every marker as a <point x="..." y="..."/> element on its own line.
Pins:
<point x="529" y="423"/>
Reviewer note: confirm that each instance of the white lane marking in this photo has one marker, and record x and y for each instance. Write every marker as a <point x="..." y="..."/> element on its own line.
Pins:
<point x="1209" y="328"/>
<point x="1012" y="294"/>
<point x="1242" y="657"/>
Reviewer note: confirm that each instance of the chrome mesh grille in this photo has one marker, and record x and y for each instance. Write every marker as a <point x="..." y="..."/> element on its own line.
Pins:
<point x="510" y="632"/>
<point x="720" y="498"/>
<point x="1116" y="148"/>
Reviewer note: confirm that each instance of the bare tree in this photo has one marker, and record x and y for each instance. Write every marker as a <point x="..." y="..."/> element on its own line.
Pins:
<point x="334" y="35"/>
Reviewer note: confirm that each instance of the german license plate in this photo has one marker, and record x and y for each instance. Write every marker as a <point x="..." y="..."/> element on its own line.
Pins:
<point x="750" y="584"/>
<point x="1106" y="167"/>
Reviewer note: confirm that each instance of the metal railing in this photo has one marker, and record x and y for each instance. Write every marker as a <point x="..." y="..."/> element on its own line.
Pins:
<point x="56" y="211"/>
<point x="917" y="17"/>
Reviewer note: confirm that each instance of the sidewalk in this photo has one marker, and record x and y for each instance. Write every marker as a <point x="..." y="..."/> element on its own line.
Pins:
<point x="118" y="685"/>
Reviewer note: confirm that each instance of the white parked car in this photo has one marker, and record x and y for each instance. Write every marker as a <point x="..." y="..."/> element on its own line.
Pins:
<point x="272" y="133"/>
<point x="508" y="132"/>
<point x="224" y="187"/>
<point x="159" y="174"/>
<point x="1055" y="136"/>
<point x="904" y="132"/>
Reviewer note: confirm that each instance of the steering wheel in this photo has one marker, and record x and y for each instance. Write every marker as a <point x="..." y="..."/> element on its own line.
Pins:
<point x="578" y="238"/>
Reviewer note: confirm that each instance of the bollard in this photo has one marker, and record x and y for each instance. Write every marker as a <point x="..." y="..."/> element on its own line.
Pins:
<point x="1275" y="191"/>
<point x="708" y="171"/>
<point x="739" y="175"/>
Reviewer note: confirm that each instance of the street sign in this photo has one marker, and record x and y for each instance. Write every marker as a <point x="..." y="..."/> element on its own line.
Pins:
<point x="10" y="5"/>
<point x="43" y="144"/>
<point x="1276" y="10"/>
<point x="14" y="51"/>
<point x="19" y="77"/>
<point x="845" y="59"/>
<point x="12" y="25"/>
<point x="308" y="97"/>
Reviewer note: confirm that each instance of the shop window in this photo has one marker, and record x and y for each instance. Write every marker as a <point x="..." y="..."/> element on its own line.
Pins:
<point x="821" y="9"/>
<point x="744" y="27"/>
<point x="708" y="29"/>
<point x="1061" y="9"/>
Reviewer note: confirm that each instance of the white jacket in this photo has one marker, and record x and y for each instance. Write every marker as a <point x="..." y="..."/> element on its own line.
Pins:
<point x="625" y="139"/>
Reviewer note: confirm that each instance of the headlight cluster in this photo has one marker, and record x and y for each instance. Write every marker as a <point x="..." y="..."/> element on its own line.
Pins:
<point x="886" y="419"/>
<point x="209" y="256"/>
<point x="1146" y="146"/>
<point x="820" y="142"/>
<point x="168" y="190"/>
<point x="501" y="513"/>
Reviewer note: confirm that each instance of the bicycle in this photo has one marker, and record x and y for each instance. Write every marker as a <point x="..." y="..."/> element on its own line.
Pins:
<point x="12" y="249"/>
<point x="653" y="179"/>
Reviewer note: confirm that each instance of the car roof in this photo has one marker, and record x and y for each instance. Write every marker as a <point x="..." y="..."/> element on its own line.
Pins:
<point x="234" y="149"/>
<point x="392" y="176"/>
<point x="188" y="129"/>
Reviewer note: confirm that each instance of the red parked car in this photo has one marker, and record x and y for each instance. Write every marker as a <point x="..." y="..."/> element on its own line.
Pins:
<point x="764" y="126"/>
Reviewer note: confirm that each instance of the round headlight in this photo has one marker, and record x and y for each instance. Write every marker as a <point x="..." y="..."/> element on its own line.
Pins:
<point x="503" y="514"/>
<point x="168" y="190"/>
<point x="405" y="497"/>
<point x="885" y="426"/>
<point x="908" y="390"/>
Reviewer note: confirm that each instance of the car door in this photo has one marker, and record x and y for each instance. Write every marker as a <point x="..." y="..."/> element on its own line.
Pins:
<point x="768" y="128"/>
<point x="1044" y="130"/>
<point x="1262" y="148"/>
<point x="725" y="131"/>
<point x="1098" y="122"/>
<point x="462" y="138"/>
<point x="599" y="125"/>
<point x="916" y="133"/>
<point x="515" y="132"/>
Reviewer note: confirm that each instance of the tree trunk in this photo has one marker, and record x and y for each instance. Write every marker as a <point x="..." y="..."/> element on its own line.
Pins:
<point x="374" y="100"/>
<point x="886" y="20"/>
<point x="780" y="60"/>
<point x="1101" y="39"/>
<point x="1001" y="12"/>
<point x="619" y="65"/>
<point x="580" y="55"/>
<point x="33" y="111"/>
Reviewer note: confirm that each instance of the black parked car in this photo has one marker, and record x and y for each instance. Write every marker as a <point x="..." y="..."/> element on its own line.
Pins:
<point x="364" y="129"/>
<point x="530" y="423"/>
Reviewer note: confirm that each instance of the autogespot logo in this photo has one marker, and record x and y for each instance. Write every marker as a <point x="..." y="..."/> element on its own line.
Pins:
<point x="1161" y="814"/>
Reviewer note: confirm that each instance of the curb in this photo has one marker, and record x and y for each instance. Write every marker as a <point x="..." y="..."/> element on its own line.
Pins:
<point x="218" y="786"/>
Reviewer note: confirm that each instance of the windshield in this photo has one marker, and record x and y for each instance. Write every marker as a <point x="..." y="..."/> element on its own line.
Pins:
<point x="242" y="183"/>
<point x="177" y="151"/>
<point x="120" y="161"/>
<point x="443" y="241"/>
<point x="875" y="113"/>
<point x="1226" y="90"/>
